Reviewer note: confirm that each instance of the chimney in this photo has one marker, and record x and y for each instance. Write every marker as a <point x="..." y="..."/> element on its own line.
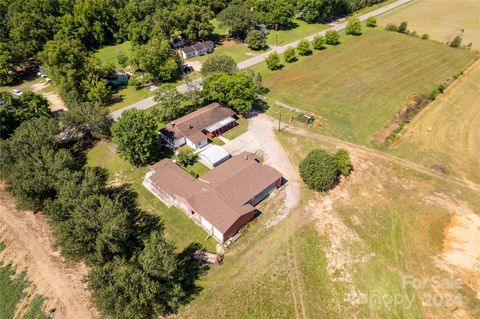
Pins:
<point x="246" y="157"/>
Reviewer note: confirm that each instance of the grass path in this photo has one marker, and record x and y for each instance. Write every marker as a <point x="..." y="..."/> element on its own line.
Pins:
<point x="405" y="163"/>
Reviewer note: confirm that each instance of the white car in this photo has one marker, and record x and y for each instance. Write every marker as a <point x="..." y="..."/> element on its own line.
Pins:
<point x="17" y="92"/>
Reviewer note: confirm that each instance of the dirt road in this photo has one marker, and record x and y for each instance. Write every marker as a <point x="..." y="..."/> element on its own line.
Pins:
<point x="384" y="156"/>
<point x="29" y="243"/>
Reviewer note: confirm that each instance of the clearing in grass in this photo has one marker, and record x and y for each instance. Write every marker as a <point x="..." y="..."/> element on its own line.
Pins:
<point x="358" y="86"/>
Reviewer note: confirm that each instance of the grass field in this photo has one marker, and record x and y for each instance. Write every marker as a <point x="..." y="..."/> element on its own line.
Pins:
<point x="109" y="55"/>
<point x="16" y="297"/>
<point x="358" y="86"/>
<point x="441" y="19"/>
<point x="129" y="95"/>
<point x="179" y="228"/>
<point x="446" y="134"/>
<point x="300" y="30"/>
<point x="361" y="239"/>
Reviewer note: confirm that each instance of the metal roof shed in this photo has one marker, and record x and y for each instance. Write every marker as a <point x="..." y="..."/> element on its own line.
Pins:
<point x="213" y="156"/>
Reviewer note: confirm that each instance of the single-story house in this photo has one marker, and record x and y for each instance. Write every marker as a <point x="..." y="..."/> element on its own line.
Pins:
<point x="221" y="201"/>
<point x="196" y="128"/>
<point x="197" y="49"/>
<point x="213" y="156"/>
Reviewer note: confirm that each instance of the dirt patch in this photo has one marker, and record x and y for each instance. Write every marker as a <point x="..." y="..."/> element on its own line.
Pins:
<point x="29" y="245"/>
<point x="197" y="66"/>
<point x="461" y="245"/>
<point x="230" y="42"/>
<point x="56" y="103"/>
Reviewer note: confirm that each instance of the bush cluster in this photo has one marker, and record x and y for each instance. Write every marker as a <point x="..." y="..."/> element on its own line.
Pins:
<point x="320" y="170"/>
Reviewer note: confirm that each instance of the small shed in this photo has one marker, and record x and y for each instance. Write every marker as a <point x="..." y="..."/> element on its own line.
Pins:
<point x="213" y="156"/>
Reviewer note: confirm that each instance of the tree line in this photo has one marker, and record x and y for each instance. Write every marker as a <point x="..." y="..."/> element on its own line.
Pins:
<point x="135" y="272"/>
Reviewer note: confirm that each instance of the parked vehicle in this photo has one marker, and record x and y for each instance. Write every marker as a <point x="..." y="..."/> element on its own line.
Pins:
<point x="186" y="68"/>
<point x="17" y="92"/>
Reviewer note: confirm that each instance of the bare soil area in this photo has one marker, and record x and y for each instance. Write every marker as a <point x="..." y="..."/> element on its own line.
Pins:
<point x="29" y="245"/>
<point x="56" y="103"/>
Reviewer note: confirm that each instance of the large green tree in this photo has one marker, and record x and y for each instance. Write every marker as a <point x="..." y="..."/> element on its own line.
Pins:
<point x="15" y="110"/>
<point x="239" y="91"/>
<point x="135" y="134"/>
<point x="33" y="162"/>
<point x="219" y="63"/>
<point x="238" y="19"/>
<point x="171" y="103"/>
<point x="194" y="22"/>
<point x="157" y="59"/>
<point x="319" y="170"/>
<point x="275" y="13"/>
<point x="314" y="10"/>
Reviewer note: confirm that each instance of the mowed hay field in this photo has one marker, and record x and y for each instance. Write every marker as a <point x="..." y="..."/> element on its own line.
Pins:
<point x="440" y="19"/>
<point x="359" y="85"/>
<point x="340" y="252"/>
<point x="446" y="134"/>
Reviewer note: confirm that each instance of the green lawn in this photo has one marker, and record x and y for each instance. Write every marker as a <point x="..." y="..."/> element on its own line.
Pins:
<point x="109" y="55"/>
<point x="299" y="31"/>
<point x="197" y="169"/>
<point x="178" y="227"/>
<point x="217" y="141"/>
<point x="358" y="86"/>
<point x="237" y="130"/>
<point x="129" y="95"/>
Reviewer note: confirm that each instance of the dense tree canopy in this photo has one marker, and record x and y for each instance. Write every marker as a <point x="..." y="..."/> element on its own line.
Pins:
<point x="171" y="103"/>
<point x="239" y="91"/>
<point x="157" y="60"/>
<point x="15" y="110"/>
<point x="219" y="63"/>
<point x="33" y="162"/>
<point x="238" y="18"/>
<point x="276" y="14"/>
<point x="256" y="40"/>
<point x="135" y="134"/>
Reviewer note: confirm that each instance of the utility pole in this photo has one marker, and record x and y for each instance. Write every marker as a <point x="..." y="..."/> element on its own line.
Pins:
<point x="279" y="120"/>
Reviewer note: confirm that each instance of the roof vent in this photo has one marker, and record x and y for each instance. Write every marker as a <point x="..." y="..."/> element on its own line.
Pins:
<point x="246" y="157"/>
<point x="190" y="126"/>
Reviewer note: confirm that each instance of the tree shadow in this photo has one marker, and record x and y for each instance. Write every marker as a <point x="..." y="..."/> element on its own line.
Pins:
<point x="159" y="151"/>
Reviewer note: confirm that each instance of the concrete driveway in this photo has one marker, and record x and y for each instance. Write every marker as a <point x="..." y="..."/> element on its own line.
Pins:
<point x="261" y="137"/>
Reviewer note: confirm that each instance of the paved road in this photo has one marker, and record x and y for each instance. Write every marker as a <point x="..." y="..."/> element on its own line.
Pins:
<point x="148" y="102"/>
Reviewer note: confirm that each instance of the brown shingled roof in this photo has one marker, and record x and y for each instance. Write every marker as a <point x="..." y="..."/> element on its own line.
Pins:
<point x="192" y="123"/>
<point x="222" y="194"/>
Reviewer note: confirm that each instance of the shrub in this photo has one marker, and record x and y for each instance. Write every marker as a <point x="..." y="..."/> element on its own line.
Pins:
<point x="256" y="40"/>
<point x="353" y="27"/>
<point x="343" y="161"/>
<point x="273" y="61"/>
<point x="186" y="157"/>
<point x="402" y="28"/>
<point x="332" y="37"/>
<point x="425" y="36"/>
<point x="319" y="170"/>
<point x="303" y="47"/>
<point x="371" y="22"/>
<point x="391" y="27"/>
<point x="456" y="42"/>
<point x="290" y="55"/>
<point x="318" y="42"/>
